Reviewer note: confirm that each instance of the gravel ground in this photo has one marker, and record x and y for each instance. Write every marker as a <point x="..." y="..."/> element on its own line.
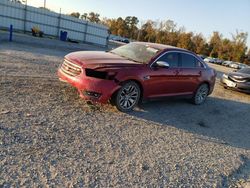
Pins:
<point x="49" y="137"/>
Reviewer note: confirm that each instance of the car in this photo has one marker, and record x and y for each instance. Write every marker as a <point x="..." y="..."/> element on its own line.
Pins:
<point x="217" y="61"/>
<point x="226" y="63"/>
<point x="234" y="65"/>
<point x="237" y="80"/>
<point x="138" y="71"/>
<point x="209" y="60"/>
<point x="125" y="41"/>
<point x="241" y="66"/>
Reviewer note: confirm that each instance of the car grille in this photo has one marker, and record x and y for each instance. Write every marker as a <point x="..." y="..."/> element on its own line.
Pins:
<point x="71" y="68"/>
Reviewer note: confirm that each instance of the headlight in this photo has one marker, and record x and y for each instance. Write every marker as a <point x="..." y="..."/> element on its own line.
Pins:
<point x="225" y="76"/>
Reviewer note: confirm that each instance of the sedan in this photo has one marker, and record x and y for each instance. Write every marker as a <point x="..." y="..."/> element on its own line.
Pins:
<point x="226" y="63"/>
<point x="209" y="60"/>
<point x="238" y="80"/>
<point x="138" y="71"/>
<point x="234" y="65"/>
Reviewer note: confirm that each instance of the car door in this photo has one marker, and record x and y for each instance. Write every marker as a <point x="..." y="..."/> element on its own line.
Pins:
<point x="161" y="81"/>
<point x="190" y="73"/>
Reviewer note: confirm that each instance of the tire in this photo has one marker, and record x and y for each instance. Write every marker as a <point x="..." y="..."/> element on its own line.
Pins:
<point x="127" y="96"/>
<point x="200" y="94"/>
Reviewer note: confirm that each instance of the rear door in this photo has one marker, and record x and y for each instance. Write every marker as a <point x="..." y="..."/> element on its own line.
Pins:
<point x="190" y="72"/>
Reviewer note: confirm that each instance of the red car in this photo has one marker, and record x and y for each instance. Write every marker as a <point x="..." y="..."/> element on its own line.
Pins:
<point x="138" y="71"/>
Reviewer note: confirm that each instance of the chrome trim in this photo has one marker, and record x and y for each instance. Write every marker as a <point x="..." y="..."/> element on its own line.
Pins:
<point x="177" y="51"/>
<point x="162" y="64"/>
<point x="72" y="64"/>
<point x="236" y="80"/>
<point x="70" y="69"/>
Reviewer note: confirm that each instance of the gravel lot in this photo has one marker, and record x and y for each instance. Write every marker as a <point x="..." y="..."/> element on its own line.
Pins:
<point x="49" y="137"/>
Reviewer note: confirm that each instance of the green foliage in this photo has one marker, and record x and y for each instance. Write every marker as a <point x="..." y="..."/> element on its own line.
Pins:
<point x="93" y="17"/>
<point x="167" y="32"/>
<point x="123" y="27"/>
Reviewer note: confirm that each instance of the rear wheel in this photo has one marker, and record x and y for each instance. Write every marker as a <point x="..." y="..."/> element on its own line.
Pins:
<point x="127" y="97"/>
<point x="200" y="94"/>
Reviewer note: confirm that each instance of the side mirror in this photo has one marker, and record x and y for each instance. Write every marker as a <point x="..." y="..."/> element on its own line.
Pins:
<point x="162" y="64"/>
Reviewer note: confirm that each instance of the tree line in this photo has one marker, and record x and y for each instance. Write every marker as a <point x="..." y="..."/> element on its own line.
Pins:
<point x="167" y="32"/>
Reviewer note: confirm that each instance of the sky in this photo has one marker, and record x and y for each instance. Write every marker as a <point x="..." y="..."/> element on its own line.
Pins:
<point x="198" y="16"/>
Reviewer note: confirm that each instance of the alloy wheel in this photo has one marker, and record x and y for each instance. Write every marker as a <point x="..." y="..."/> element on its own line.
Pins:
<point x="128" y="96"/>
<point x="201" y="94"/>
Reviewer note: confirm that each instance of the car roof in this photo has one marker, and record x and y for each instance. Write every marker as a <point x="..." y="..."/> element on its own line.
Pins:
<point x="160" y="46"/>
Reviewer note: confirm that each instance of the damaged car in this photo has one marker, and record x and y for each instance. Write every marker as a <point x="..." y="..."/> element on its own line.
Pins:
<point x="237" y="80"/>
<point x="137" y="71"/>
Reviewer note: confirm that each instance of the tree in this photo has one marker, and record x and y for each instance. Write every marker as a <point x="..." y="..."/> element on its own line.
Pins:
<point x="215" y="44"/>
<point x="226" y="50"/>
<point x="117" y="26"/>
<point x="167" y="32"/>
<point x="239" y="46"/>
<point x="84" y="16"/>
<point x="247" y="60"/>
<point x="75" y="14"/>
<point x="94" y="17"/>
<point x="199" y="44"/>
<point x="148" y="32"/>
<point x="167" y="26"/>
<point x="185" y="41"/>
<point x="131" y="25"/>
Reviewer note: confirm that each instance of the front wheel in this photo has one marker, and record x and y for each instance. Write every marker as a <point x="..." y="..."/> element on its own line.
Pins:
<point x="127" y="97"/>
<point x="200" y="94"/>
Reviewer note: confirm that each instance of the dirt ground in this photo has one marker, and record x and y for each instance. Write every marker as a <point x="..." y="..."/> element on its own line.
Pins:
<point x="49" y="137"/>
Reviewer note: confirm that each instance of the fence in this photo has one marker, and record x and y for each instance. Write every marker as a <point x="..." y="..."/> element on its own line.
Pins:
<point x="23" y="18"/>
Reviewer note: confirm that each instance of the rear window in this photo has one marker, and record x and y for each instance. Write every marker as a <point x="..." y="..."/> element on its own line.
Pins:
<point x="189" y="61"/>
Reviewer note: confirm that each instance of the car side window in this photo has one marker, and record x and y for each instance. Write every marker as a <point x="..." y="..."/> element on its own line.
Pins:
<point x="189" y="61"/>
<point x="170" y="58"/>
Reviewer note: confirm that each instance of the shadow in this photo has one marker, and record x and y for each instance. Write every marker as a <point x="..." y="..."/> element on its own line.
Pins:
<point x="222" y="121"/>
<point x="39" y="49"/>
<point x="45" y="45"/>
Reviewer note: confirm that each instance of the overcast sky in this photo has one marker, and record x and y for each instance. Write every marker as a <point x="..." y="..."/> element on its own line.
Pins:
<point x="203" y="16"/>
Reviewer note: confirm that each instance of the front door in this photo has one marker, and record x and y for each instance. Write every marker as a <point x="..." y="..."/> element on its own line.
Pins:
<point x="161" y="82"/>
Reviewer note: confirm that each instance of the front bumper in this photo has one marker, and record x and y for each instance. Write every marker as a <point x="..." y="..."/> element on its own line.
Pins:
<point x="88" y="85"/>
<point x="244" y="87"/>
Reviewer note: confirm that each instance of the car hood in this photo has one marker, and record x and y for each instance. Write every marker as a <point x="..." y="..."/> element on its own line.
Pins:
<point x="239" y="76"/>
<point x="99" y="60"/>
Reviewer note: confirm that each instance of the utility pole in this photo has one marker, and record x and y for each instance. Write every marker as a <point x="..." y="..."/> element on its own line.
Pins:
<point x="25" y="16"/>
<point x="44" y="4"/>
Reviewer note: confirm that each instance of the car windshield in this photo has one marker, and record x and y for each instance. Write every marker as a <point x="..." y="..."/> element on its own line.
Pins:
<point x="244" y="70"/>
<point x="136" y="52"/>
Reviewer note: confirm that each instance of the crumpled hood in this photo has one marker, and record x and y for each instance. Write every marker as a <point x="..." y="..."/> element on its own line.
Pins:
<point x="239" y="76"/>
<point x="99" y="60"/>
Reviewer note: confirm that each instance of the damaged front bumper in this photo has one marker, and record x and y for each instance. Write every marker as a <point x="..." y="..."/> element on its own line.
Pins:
<point x="90" y="88"/>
